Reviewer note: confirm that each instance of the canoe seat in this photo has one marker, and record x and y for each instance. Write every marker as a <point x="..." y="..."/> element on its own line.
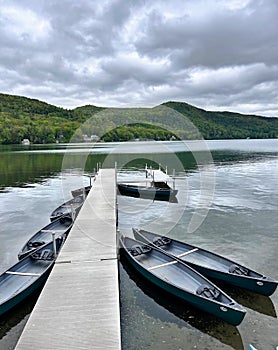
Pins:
<point x="35" y="244"/>
<point x="208" y="292"/>
<point x="46" y="254"/>
<point x="62" y="219"/>
<point x="65" y="218"/>
<point x="139" y="249"/>
<point x="162" y="241"/>
<point x="78" y="200"/>
<point x="238" y="270"/>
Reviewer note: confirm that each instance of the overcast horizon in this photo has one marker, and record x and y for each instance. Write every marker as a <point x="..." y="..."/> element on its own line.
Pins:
<point x="215" y="55"/>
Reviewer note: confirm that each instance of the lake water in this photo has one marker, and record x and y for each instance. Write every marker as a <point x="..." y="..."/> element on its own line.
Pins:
<point x="227" y="202"/>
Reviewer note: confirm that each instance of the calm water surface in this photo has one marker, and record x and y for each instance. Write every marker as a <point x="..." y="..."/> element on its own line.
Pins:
<point x="229" y="206"/>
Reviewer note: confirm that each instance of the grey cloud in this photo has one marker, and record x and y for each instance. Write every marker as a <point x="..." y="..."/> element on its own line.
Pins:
<point x="88" y="27"/>
<point x="223" y="38"/>
<point x="141" y="53"/>
<point x="130" y="68"/>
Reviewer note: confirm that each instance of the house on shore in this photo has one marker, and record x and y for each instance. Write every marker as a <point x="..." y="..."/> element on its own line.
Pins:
<point x="26" y="142"/>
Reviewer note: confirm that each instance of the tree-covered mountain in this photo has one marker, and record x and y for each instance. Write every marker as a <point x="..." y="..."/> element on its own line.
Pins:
<point x="227" y="125"/>
<point x="25" y="118"/>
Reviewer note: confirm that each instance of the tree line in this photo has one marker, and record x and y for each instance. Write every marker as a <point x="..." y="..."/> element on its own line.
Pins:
<point x="25" y="118"/>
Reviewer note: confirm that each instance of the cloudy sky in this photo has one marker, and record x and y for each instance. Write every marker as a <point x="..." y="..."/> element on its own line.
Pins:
<point x="214" y="54"/>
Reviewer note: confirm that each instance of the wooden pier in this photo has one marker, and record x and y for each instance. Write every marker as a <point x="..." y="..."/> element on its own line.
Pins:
<point x="79" y="305"/>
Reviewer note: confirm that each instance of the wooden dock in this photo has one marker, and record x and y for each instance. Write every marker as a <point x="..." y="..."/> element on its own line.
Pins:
<point x="79" y="305"/>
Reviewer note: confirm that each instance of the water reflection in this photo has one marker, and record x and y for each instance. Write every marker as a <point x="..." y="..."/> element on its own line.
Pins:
<point x="252" y="300"/>
<point x="185" y="314"/>
<point x="23" y="166"/>
<point x="23" y="170"/>
<point x="13" y="322"/>
<point x="28" y="169"/>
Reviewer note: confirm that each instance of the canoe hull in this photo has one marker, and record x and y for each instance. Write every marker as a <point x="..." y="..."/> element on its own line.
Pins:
<point x="225" y="312"/>
<point x="27" y="276"/>
<point x="62" y="225"/>
<point x="71" y="208"/>
<point x="146" y="192"/>
<point x="81" y="191"/>
<point x="256" y="283"/>
<point x="261" y="286"/>
<point x="19" y="298"/>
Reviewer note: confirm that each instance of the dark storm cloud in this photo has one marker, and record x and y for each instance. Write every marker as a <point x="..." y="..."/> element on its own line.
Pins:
<point x="214" y="54"/>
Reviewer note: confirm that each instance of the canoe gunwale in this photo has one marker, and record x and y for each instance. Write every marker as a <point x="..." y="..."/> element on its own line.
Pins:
<point x="253" y="283"/>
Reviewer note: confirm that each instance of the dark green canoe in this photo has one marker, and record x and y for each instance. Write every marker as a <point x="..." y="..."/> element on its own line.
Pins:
<point x="210" y="264"/>
<point x="27" y="275"/>
<point x="182" y="281"/>
<point x="152" y="192"/>
<point x="69" y="208"/>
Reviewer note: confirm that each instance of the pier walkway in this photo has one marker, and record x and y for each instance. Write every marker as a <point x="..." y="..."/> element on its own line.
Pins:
<point x="79" y="305"/>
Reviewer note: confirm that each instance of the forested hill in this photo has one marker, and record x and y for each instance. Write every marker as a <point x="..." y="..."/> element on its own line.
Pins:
<point x="227" y="125"/>
<point x="25" y="118"/>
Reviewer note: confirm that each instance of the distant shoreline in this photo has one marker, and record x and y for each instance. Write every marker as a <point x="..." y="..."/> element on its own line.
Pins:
<point x="36" y="122"/>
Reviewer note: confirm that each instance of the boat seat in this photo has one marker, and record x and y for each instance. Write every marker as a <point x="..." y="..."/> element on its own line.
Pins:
<point x="162" y="241"/>
<point x="64" y="218"/>
<point x="208" y="292"/>
<point x="46" y="254"/>
<point x="238" y="270"/>
<point x="35" y="244"/>
<point x="139" y="249"/>
<point x="77" y="200"/>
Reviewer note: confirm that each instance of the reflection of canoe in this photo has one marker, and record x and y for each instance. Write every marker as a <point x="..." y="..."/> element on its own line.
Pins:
<point x="248" y="299"/>
<point x="27" y="275"/>
<point x="153" y="191"/>
<point x="180" y="280"/>
<point x="83" y="191"/>
<point x="211" y="264"/>
<point x="73" y="205"/>
<point x="58" y="227"/>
